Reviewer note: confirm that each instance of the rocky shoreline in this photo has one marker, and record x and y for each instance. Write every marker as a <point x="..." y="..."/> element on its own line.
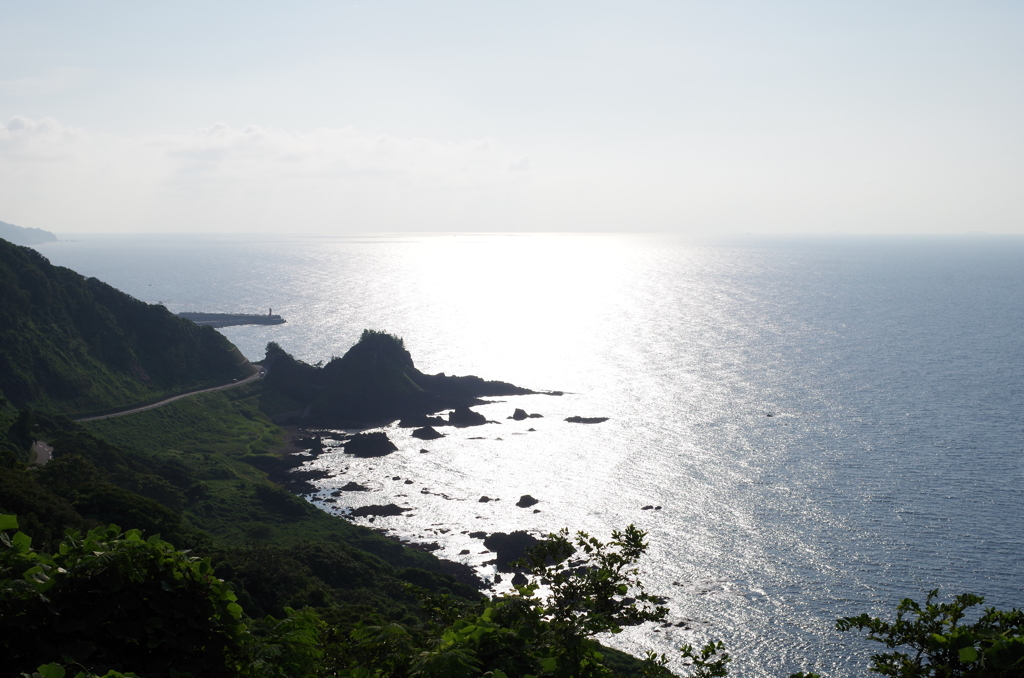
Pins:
<point x="299" y="474"/>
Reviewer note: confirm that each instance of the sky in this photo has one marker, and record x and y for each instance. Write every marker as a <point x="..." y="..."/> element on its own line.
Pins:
<point x="735" y="116"/>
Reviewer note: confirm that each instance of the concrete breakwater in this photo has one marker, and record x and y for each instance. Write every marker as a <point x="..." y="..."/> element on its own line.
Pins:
<point x="229" y="319"/>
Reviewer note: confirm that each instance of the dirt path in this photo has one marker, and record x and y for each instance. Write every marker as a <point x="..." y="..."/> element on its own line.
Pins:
<point x="256" y="375"/>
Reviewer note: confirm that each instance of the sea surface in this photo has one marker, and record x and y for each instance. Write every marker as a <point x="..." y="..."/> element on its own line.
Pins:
<point x="829" y="424"/>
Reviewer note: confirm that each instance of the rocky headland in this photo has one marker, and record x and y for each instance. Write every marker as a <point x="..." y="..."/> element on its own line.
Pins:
<point x="377" y="382"/>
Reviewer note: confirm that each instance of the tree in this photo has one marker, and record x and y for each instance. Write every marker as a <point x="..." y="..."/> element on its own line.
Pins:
<point x="600" y="592"/>
<point x="112" y="600"/>
<point x="940" y="645"/>
<point x="521" y="634"/>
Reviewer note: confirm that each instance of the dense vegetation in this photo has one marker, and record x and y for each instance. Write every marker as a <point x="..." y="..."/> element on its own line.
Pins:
<point x="375" y="380"/>
<point x="109" y="601"/>
<point x="75" y="345"/>
<point x="113" y="601"/>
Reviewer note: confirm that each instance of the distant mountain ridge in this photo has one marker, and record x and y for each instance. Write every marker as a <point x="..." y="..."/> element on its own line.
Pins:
<point x="20" y="235"/>
<point x="75" y="345"/>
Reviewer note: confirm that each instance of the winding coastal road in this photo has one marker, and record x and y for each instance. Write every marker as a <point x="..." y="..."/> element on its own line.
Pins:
<point x="259" y="372"/>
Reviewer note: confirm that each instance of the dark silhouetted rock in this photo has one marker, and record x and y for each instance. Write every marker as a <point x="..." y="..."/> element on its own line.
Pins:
<point x="354" y="487"/>
<point x="379" y="510"/>
<point x="424" y="451"/>
<point x="374" y="444"/>
<point x="427" y="433"/>
<point x="534" y="415"/>
<point x="408" y="482"/>
<point x="464" y="552"/>
<point x="526" y="501"/>
<point x="520" y="579"/>
<point x="510" y="547"/>
<point x="484" y="499"/>
<point x="421" y="420"/>
<point x="519" y="415"/>
<point x="375" y="381"/>
<point x="478" y="535"/>
<point x="463" y="416"/>
<point x="585" y="420"/>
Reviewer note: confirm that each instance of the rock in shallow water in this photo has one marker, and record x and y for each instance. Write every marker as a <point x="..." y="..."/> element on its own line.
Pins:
<point x="376" y="444"/>
<point x="510" y="547"/>
<point x="379" y="510"/>
<point x="526" y="501"/>
<point x="427" y="433"/>
<point x="463" y="416"/>
<point x="585" y="420"/>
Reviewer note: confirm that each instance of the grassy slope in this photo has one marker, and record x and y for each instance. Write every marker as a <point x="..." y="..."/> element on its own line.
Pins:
<point x="224" y="434"/>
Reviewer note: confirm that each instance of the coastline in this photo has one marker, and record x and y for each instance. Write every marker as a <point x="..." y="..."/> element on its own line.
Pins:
<point x="416" y="491"/>
<point x="293" y="478"/>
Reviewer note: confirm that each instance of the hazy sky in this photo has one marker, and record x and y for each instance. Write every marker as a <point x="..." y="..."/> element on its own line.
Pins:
<point x="320" y="117"/>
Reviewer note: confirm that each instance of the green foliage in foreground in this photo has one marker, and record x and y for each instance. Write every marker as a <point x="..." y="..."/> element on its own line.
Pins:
<point x="112" y="601"/>
<point x="115" y="601"/>
<point x="938" y="643"/>
<point x="522" y="634"/>
<point x="115" y="604"/>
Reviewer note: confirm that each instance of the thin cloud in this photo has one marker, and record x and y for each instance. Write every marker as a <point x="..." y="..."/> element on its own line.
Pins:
<point x="54" y="81"/>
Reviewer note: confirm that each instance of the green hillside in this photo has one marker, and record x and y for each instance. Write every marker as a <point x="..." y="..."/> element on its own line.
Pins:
<point x="74" y="345"/>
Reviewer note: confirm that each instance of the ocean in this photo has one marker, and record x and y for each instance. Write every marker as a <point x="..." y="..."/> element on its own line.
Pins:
<point x="829" y="424"/>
